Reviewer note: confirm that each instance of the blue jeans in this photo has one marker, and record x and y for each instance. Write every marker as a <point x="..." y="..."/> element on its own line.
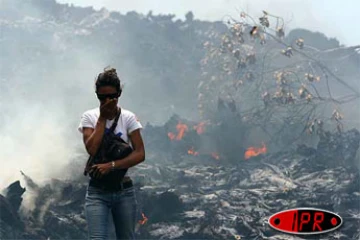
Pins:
<point x="121" y="204"/>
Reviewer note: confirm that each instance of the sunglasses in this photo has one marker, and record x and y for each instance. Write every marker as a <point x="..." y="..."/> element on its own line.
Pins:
<point x="103" y="97"/>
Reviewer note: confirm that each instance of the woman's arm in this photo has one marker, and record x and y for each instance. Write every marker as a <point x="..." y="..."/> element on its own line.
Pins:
<point x="137" y="156"/>
<point x="92" y="137"/>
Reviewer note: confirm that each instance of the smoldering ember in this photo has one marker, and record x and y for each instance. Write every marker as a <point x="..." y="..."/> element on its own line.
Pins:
<point x="274" y="127"/>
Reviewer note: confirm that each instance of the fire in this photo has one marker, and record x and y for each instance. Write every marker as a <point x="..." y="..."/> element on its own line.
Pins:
<point x="181" y="129"/>
<point x="200" y="128"/>
<point x="171" y="135"/>
<point x="253" y="151"/>
<point x="215" y="155"/>
<point x="192" y="152"/>
<point x="144" y="220"/>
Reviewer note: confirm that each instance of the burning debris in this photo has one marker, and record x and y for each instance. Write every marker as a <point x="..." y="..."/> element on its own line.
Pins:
<point x="200" y="127"/>
<point x="215" y="155"/>
<point x="190" y="199"/>
<point x="143" y="220"/>
<point x="181" y="129"/>
<point x="253" y="151"/>
<point x="191" y="151"/>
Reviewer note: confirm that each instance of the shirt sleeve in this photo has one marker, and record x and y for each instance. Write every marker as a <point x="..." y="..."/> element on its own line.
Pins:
<point x="133" y="123"/>
<point x="86" y="121"/>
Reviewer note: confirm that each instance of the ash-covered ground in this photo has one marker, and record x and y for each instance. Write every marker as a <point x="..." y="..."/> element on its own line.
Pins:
<point x="198" y="195"/>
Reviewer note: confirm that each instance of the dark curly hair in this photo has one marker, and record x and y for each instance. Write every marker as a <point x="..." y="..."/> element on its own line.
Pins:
<point x="108" y="77"/>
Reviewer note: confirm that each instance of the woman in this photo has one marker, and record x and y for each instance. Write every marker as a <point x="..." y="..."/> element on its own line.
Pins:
<point x="94" y="124"/>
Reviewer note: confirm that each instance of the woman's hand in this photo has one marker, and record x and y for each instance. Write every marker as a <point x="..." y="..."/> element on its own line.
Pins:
<point x="107" y="109"/>
<point x="99" y="170"/>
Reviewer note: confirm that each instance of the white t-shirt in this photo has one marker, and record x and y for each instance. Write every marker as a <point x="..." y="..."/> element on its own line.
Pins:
<point x="127" y="123"/>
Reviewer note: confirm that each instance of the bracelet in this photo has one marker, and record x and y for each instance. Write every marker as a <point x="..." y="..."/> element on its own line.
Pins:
<point x="112" y="165"/>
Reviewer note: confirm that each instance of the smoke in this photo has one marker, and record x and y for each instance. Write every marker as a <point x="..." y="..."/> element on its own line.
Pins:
<point x="33" y="140"/>
<point x="43" y="96"/>
<point x="330" y="17"/>
<point x="42" y="99"/>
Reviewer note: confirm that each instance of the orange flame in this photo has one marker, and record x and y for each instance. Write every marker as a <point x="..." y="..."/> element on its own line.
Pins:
<point x="215" y="155"/>
<point x="200" y="128"/>
<point x="181" y="129"/>
<point x="192" y="152"/>
<point x="144" y="220"/>
<point x="253" y="151"/>
<point x="171" y="135"/>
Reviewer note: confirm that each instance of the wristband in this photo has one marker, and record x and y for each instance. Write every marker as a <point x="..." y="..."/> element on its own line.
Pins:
<point x="112" y="165"/>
